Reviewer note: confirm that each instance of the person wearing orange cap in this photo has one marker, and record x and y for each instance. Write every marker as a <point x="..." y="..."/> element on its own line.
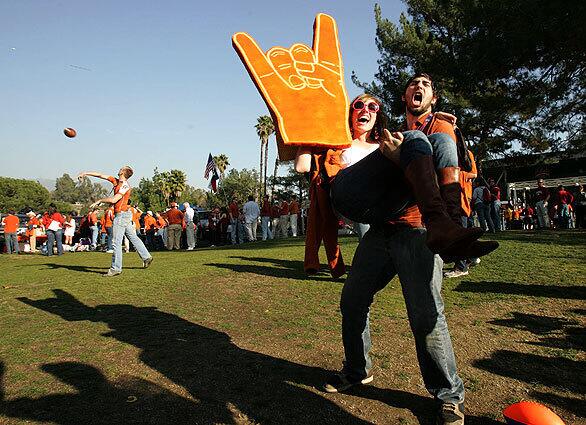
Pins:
<point x="122" y="223"/>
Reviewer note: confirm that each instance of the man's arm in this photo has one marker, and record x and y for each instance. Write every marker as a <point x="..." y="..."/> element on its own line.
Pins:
<point x="94" y="174"/>
<point x="303" y="160"/>
<point x="109" y="200"/>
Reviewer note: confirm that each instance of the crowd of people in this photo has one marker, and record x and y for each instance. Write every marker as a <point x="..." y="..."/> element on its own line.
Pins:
<point x="543" y="208"/>
<point x="176" y="227"/>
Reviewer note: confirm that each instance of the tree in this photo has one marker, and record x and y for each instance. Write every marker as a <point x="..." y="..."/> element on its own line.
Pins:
<point x="511" y="86"/>
<point x="237" y="183"/>
<point x="84" y="192"/>
<point x="291" y="184"/>
<point x="264" y="128"/>
<point x="222" y="163"/>
<point x="20" y="194"/>
<point x="161" y="184"/>
<point x="176" y="181"/>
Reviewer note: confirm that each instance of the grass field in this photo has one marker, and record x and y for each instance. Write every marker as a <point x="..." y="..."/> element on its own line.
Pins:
<point x="241" y="335"/>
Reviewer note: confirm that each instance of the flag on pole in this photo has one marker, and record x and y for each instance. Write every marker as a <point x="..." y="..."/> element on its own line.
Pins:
<point x="214" y="180"/>
<point x="210" y="166"/>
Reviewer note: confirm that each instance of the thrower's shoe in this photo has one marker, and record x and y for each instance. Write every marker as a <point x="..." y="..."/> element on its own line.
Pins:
<point x="450" y="414"/>
<point x="112" y="273"/>
<point x="342" y="381"/>
<point x="146" y="263"/>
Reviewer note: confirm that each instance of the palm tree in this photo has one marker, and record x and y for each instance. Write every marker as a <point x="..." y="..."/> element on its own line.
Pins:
<point x="176" y="181"/>
<point x="222" y="163"/>
<point x="264" y="128"/>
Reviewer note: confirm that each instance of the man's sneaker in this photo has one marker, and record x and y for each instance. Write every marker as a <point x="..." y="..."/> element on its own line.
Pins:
<point x="451" y="414"/>
<point x="112" y="273"/>
<point x="110" y="251"/>
<point x="146" y="263"/>
<point x="474" y="262"/>
<point x="341" y="382"/>
<point x="455" y="273"/>
<point x="190" y="249"/>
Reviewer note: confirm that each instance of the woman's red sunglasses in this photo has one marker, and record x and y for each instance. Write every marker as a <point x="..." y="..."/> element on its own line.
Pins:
<point x="359" y="105"/>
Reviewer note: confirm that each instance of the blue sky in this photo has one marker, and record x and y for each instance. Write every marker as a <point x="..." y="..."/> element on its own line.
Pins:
<point x="150" y="83"/>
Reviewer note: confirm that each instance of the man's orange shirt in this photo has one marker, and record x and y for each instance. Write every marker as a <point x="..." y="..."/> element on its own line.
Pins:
<point x="122" y="188"/>
<point x="11" y="223"/>
<point x="294" y="207"/>
<point x="174" y="216"/>
<point x="149" y="222"/>
<point x="435" y="125"/>
<point x="109" y="217"/>
<point x="135" y="217"/>
<point x="161" y="222"/>
<point x="93" y="218"/>
<point x="284" y="208"/>
<point x="233" y="208"/>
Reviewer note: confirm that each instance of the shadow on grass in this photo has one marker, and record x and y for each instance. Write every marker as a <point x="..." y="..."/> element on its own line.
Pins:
<point x="528" y="289"/>
<point x="423" y="408"/>
<point x="76" y="268"/>
<point x="275" y="267"/>
<point x="226" y="381"/>
<point x="553" y="332"/>
<point x="553" y="372"/>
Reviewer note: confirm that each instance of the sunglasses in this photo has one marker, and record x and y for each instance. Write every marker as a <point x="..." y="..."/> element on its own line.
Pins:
<point x="359" y="105"/>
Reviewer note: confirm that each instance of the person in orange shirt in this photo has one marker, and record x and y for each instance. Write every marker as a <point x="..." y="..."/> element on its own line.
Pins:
<point x="162" y="228"/>
<point x="108" y="223"/>
<point x="150" y="227"/>
<point x="31" y="230"/>
<point x="10" y="223"/>
<point x="122" y="223"/>
<point x="265" y="218"/>
<point x="283" y="220"/>
<point x="293" y="215"/>
<point x="53" y="223"/>
<point x="174" y="230"/>
<point x="233" y="214"/>
<point x="136" y="213"/>
<point x="93" y="222"/>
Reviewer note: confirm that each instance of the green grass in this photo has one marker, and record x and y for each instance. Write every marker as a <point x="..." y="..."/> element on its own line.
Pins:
<point x="241" y="335"/>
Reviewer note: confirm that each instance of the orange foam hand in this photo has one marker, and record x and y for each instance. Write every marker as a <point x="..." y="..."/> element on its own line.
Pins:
<point x="303" y="88"/>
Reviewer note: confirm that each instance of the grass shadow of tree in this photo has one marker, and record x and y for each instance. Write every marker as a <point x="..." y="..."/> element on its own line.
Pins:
<point x="276" y="267"/>
<point x="216" y="372"/>
<point x="528" y="289"/>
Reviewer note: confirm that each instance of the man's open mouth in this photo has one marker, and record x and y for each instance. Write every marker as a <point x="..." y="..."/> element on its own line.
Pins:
<point x="418" y="97"/>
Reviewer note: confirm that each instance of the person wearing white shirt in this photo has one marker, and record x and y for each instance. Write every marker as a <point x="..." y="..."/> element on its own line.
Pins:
<point x="189" y="226"/>
<point x="251" y="213"/>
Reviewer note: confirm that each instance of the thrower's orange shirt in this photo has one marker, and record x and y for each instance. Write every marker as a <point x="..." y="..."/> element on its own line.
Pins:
<point x="123" y="188"/>
<point x="11" y="223"/>
<point x="466" y="179"/>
